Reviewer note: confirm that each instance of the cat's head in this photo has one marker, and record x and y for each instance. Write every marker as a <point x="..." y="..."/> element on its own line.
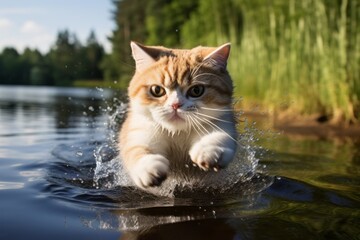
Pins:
<point x="181" y="88"/>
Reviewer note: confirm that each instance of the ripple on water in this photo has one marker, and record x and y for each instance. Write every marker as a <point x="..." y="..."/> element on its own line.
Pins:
<point x="99" y="168"/>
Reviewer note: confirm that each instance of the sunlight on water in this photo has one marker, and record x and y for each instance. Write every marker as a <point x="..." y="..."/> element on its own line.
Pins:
<point x="11" y="185"/>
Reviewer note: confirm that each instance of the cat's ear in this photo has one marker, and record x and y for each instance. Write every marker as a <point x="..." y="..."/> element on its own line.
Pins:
<point x="143" y="56"/>
<point x="219" y="56"/>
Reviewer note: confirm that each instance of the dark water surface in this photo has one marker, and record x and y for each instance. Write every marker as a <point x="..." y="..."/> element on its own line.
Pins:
<point x="59" y="179"/>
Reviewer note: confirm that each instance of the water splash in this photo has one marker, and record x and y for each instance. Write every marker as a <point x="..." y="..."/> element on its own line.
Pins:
<point x="109" y="172"/>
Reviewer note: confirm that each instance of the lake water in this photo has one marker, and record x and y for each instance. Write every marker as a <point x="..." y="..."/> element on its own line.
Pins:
<point x="60" y="179"/>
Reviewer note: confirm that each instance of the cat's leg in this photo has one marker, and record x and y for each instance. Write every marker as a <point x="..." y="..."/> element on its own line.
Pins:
<point x="142" y="157"/>
<point x="214" y="150"/>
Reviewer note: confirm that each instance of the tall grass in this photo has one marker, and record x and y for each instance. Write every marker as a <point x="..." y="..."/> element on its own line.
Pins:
<point x="299" y="56"/>
<point x="306" y="58"/>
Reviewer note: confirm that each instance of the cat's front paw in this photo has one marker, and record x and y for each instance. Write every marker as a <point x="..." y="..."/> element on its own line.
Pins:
<point x="150" y="170"/>
<point x="211" y="157"/>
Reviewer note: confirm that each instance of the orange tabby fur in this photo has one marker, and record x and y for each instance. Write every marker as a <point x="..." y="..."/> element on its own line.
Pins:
<point x="161" y="134"/>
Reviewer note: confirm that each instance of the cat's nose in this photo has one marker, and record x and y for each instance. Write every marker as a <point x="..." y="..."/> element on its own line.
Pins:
<point x="176" y="105"/>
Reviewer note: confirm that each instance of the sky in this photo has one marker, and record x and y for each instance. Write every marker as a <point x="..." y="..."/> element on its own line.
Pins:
<point x="35" y="23"/>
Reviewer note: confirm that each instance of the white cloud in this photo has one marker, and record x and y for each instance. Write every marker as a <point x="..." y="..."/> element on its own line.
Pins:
<point x="26" y="34"/>
<point x="31" y="27"/>
<point x="41" y="42"/>
<point x="5" y="23"/>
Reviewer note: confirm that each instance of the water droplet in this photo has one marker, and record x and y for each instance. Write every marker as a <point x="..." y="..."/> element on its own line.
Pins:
<point x="79" y="153"/>
<point x="187" y="166"/>
<point x="91" y="108"/>
<point x="70" y="98"/>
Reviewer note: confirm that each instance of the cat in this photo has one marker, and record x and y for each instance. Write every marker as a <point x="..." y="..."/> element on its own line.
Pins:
<point x="180" y="114"/>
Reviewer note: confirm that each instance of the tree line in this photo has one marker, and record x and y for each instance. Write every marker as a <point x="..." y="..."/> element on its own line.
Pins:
<point x="283" y="51"/>
<point x="67" y="60"/>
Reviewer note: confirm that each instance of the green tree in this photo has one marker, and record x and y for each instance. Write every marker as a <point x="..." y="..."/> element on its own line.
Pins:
<point x="64" y="58"/>
<point x="11" y="67"/>
<point x="92" y="55"/>
<point x="130" y="18"/>
<point x="35" y="68"/>
<point x="165" y="19"/>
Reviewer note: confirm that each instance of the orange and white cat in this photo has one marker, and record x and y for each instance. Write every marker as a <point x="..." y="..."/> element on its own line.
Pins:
<point x="180" y="113"/>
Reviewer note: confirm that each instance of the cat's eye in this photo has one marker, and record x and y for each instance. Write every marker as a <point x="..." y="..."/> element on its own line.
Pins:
<point x="196" y="91"/>
<point x="157" y="91"/>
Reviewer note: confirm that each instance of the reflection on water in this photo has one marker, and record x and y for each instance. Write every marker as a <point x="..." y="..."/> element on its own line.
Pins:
<point x="58" y="163"/>
<point x="11" y="185"/>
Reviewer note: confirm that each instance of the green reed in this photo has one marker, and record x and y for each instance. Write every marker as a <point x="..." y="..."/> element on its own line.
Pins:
<point x="299" y="56"/>
<point x="304" y="58"/>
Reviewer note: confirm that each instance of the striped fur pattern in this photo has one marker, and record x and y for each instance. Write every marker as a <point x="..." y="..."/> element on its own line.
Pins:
<point x="180" y="114"/>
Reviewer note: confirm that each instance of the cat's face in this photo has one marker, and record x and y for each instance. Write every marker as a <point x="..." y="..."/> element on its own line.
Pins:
<point x="181" y="89"/>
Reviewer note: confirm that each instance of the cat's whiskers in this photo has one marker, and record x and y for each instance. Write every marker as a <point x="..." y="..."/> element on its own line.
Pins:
<point x="163" y="113"/>
<point x="215" y="127"/>
<point x="201" y="126"/>
<point x="217" y="109"/>
<point x="193" y="125"/>
<point x="189" y="125"/>
<point x="211" y="117"/>
<point x="197" y="126"/>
